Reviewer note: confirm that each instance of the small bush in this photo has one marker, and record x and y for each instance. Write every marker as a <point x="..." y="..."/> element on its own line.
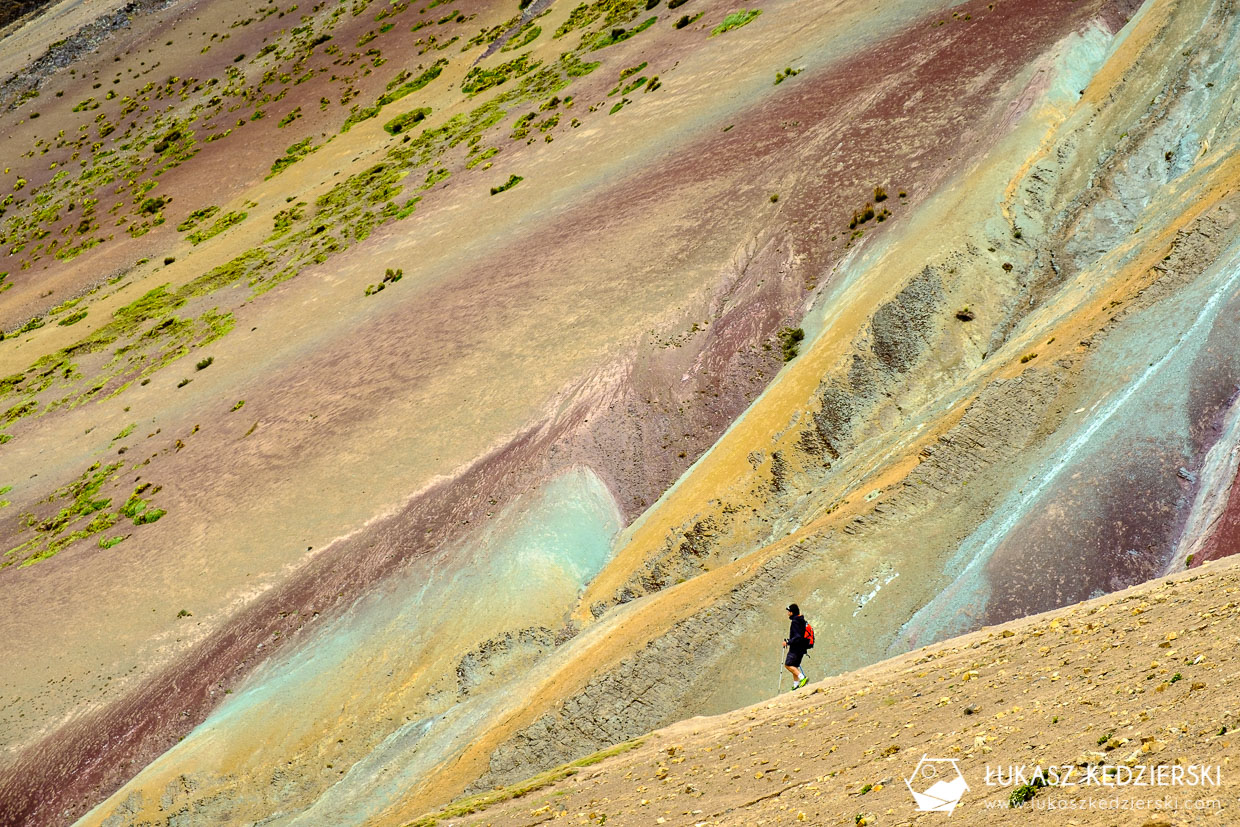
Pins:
<point x="169" y="259"/>
<point x="512" y="181"/>
<point x="880" y="195"/>
<point x="152" y="205"/>
<point x="183" y="383"/>
<point x="1024" y="793"/>
<point x="789" y="72"/>
<point x="205" y="363"/>
<point x="403" y="122"/>
<point x="790" y="339"/>
<point x="1028" y="357"/>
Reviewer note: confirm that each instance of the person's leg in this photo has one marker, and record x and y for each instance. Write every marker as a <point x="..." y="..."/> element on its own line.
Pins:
<point x="793" y="664"/>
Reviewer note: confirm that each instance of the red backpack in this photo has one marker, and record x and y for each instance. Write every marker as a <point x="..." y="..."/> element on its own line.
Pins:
<point x="809" y="636"/>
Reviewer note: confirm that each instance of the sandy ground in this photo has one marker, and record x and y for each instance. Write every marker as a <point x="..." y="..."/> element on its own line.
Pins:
<point x="1120" y="695"/>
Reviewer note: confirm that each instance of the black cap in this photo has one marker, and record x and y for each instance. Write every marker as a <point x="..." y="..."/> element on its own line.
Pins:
<point x="792" y="607"/>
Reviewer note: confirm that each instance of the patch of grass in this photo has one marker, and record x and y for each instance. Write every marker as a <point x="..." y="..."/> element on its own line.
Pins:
<point x="483" y="155"/>
<point x="149" y="516"/>
<point x="574" y="67"/>
<point x="619" y="35"/>
<point x="86" y="508"/>
<point x="72" y="319"/>
<point x="192" y="220"/>
<point x="221" y="224"/>
<point x="611" y="12"/>
<point x="512" y="181"/>
<point x="399" y="88"/>
<point x="735" y="20"/>
<point x="409" y="207"/>
<point x="482" y="801"/>
<point x="479" y="79"/>
<point x="632" y="70"/>
<point x="528" y="34"/>
<point x="686" y="20"/>
<point x="1028" y="357"/>
<point x="240" y="404"/>
<point x="358" y="115"/>
<point x="292" y="155"/>
<point x="203" y="364"/>
<point x="634" y="85"/>
<point x="403" y="122"/>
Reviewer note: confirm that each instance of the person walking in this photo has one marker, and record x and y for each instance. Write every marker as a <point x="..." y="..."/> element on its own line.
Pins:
<point x="797" y="645"/>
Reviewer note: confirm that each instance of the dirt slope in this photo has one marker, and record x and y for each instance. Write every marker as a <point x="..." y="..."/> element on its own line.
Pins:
<point x="395" y="397"/>
<point x="1142" y="679"/>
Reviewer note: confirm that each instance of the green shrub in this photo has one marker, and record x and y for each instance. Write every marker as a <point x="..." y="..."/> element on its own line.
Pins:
<point x="735" y="20"/>
<point x="1024" y="793"/>
<point x="152" y="205"/>
<point x="618" y="35"/>
<point x="512" y="181"/>
<point x="398" y="89"/>
<point x="479" y="79"/>
<point x="72" y="319"/>
<point x="221" y="224"/>
<point x="149" y="516"/>
<point x="790" y="339"/>
<point x="192" y="220"/>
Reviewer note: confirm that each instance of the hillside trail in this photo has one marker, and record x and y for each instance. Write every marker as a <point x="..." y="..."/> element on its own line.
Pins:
<point x="1129" y="697"/>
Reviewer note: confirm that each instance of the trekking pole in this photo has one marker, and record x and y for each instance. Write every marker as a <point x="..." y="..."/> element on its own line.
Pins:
<point x="781" y="677"/>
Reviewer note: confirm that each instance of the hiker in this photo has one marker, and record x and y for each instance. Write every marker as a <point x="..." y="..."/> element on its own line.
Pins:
<point x="797" y="644"/>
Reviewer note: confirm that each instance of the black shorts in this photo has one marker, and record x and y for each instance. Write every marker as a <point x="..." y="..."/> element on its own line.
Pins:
<point x="794" y="657"/>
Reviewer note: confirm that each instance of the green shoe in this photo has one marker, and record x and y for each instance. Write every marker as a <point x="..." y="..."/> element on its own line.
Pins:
<point x="801" y="682"/>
